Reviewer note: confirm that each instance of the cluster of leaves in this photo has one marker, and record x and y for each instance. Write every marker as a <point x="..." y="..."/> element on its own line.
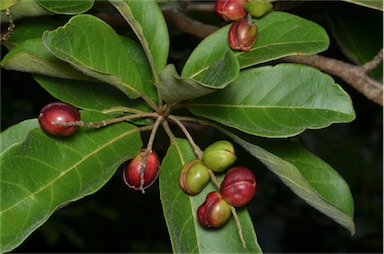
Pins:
<point x="86" y="63"/>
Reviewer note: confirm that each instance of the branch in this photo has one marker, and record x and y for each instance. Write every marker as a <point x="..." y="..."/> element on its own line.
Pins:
<point x="354" y="75"/>
<point x="188" y="25"/>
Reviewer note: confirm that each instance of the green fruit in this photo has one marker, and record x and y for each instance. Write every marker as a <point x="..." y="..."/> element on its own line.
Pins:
<point x="194" y="177"/>
<point x="219" y="156"/>
<point x="258" y="8"/>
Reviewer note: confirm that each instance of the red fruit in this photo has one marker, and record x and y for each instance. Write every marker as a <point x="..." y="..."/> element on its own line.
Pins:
<point x="139" y="174"/>
<point x="242" y="35"/>
<point x="214" y="212"/>
<point x="231" y="10"/>
<point x="58" y="112"/>
<point x="238" y="186"/>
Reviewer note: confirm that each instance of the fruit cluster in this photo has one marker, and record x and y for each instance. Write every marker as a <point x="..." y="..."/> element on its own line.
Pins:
<point x="243" y="32"/>
<point x="237" y="188"/>
<point x="62" y="119"/>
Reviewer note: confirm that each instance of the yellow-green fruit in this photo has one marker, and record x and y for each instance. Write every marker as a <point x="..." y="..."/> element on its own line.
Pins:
<point x="258" y="8"/>
<point x="219" y="156"/>
<point x="194" y="177"/>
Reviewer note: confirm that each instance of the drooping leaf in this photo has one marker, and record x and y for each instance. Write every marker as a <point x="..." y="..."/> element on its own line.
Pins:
<point x="306" y="175"/>
<point x="280" y="34"/>
<point x="105" y="60"/>
<point x="374" y="4"/>
<point x="68" y="7"/>
<point x="148" y="23"/>
<point x="88" y="95"/>
<point x="33" y="57"/>
<point x="278" y="101"/>
<point x="44" y="172"/>
<point x="187" y="235"/>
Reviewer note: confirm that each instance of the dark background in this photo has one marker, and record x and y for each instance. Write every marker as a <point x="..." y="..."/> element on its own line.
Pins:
<point x="118" y="219"/>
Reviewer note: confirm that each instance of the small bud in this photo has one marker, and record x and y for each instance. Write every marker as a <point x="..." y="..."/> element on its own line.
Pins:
<point x="139" y="174"/>
<point x="238" y="186"/>
<point x="258" y="8"/>
<point x="231" y="10"/>
<point x="214" y="212"/>
<point x="242" y="35"/>
<point x="194" y="177"/>
<point x="219" y="156"/>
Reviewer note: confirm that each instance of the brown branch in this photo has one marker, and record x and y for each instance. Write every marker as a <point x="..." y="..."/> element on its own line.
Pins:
<point x="188" y="25"/>
<point x="356" y="76"/>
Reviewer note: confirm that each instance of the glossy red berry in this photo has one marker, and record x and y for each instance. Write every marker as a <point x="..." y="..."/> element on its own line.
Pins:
<point x="231" y="10"/>
<point x="139" y="174"/>
<point x="214" y="212"/>
<point x="238" y="186"/>
<point x="242" y="35"/>
<point x="58" y="112"/>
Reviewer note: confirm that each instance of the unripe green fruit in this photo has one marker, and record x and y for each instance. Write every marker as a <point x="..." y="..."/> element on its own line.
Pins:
<point x="219" y="156"/>
<point x="194" y="177"/>
<point x="258" y="8"/>
<point x="214" y="212"/>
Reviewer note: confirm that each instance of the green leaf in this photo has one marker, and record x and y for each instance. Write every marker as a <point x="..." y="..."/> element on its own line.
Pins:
<point x="32" y="56"/>
<point x="138" y="56"/>
<point x="359" y="39"/>
<point x="30" y="29"/>
<point x="24" y="8"/>
<point x="213" y="68"/>
<point x="148" y="23"/>
<point x="205" y="79"/>
<point x="44" y="172"/>
<point x="278" y="101"/>
<point x="88" y="95"/>
<point x="306" y="175"/>
<point x="4" y="4"/>
<point x="187" y="236"/>
<point x="280" y="34"/>
<point x="105" y="60"/>
<point x="16" y="134"/>
<point x="67" y="7"/>
<point x="174" y="88"/>
<point x="374" y="4"/>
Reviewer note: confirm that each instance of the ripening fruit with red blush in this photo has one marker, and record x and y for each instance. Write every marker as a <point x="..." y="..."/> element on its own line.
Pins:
<point x="139" y="174"/>
<point x="231" y="10"/>
<point x="214" y="212"/>
<point x="242" y="35"/>
<point x="56" y="112"/>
